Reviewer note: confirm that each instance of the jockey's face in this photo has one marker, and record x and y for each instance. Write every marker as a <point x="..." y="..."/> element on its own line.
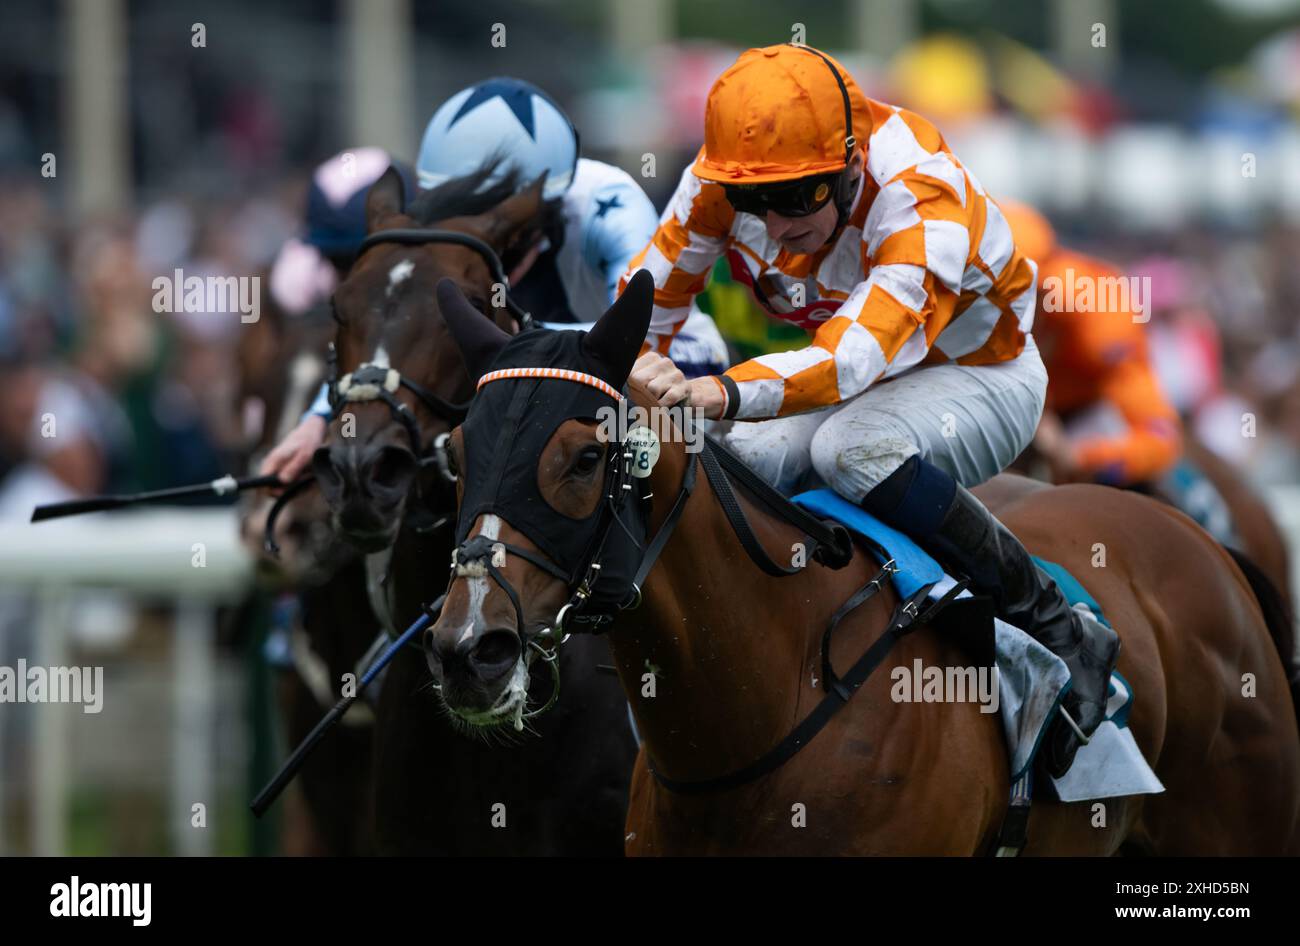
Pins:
<point x="809" y="233"/>
<point x="802" y="234"/>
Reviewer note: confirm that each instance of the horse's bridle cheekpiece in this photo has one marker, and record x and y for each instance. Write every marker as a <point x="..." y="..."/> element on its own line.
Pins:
<point x="502" y="481"/>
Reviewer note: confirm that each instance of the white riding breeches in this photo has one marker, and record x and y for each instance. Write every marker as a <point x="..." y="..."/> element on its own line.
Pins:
<point x="971" y="421"/>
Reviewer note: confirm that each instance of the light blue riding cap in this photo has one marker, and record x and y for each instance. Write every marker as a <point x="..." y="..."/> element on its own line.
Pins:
<point x="502" y="116"/>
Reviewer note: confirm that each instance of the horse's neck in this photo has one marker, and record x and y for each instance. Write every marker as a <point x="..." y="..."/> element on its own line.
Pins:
<point x="712" y="659"/>
<point x="415" y="572"/>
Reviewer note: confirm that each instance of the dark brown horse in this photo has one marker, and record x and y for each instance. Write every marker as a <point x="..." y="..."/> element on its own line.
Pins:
<point x="733" y="655"/>
<point x="439" y="789"/>
<point x="280" y="363"/>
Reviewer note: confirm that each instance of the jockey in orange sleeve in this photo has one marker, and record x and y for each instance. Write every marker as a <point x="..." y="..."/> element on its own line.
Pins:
<point x="1120" y="429"/>
<point x="854" y="220"/>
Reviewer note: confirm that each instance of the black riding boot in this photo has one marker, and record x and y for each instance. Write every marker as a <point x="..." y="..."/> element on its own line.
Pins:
<point x="956" y="528"/>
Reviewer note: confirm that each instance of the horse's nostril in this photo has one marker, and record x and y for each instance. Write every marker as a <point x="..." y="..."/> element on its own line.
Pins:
<point x="322" y="465"/>
<point x="392" y="467"/>
<point x="494" y="653"/>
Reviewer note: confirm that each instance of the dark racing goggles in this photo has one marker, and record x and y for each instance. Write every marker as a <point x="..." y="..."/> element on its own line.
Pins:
<point x="797" y="198"/>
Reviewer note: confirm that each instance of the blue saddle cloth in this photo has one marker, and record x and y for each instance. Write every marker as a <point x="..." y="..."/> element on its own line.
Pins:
<point x="916" y="567"/>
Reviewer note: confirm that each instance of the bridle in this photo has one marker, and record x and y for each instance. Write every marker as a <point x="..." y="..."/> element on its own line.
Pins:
<point x="369" y="381"/>
<point x="586" y="611"/>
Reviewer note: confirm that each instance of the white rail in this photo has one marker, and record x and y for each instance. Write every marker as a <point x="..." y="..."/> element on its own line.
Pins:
<point x="189" y="557"/>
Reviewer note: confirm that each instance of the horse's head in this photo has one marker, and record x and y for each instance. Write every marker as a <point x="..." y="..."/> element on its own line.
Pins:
<point x="544" y="494"/>
<point x="397" y="378"/>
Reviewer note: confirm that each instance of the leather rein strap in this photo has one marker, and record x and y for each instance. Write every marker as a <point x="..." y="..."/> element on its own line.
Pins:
<point x="831" y="543"/>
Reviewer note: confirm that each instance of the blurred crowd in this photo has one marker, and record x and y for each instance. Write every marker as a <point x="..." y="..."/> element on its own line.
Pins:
<point x="102" y="392"/>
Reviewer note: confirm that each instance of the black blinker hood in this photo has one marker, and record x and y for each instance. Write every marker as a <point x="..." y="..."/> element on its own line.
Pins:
<point x="509" y="424"/>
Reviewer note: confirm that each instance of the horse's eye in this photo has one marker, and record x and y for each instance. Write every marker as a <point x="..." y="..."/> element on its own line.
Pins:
<point x="588" y="459"/>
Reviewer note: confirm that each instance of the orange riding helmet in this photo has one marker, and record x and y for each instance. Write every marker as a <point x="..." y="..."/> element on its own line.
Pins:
<point x="778" y="114"/>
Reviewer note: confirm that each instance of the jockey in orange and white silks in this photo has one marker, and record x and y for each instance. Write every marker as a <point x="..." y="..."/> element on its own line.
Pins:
<point x="920" y="246"/>
<point x="854" y="219"/>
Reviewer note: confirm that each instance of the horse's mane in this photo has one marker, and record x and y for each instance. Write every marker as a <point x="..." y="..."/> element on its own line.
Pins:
<point x="462" y="197"/>
<point x="466" y="196"/>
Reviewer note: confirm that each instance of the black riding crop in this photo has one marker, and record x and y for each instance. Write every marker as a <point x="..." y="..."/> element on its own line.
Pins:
<point x="267" y="796"/>
<point x="218" y="487"/>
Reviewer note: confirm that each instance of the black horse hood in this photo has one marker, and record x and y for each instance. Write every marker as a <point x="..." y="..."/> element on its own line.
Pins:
<point x="536" y="381"/>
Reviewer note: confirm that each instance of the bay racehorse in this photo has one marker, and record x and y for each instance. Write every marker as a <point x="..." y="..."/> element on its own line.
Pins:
<point x="1257" y="535"/>
<point x="398" y="382"/>
<point x="721" y="659"/>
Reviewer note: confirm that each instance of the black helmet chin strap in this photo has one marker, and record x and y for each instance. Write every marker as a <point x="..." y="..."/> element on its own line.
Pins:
<point x="844" y="184"/>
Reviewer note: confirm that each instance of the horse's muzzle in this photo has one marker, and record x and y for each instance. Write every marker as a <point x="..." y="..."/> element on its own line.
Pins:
<point x="472" y="667"/>
<point x="366" y="486"/>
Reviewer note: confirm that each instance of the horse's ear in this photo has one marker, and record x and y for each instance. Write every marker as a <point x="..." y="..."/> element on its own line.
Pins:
<point x="386" y="197"/>
<point x="478" y="337"/>
<point x="617" y="336"/>
<point x="505" y="220"/>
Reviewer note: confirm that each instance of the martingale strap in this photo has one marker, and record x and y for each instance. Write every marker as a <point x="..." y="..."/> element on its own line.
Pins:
<point x="906" y="618"/>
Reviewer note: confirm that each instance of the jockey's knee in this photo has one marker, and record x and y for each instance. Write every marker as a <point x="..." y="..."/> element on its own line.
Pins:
<point x="854" y="465"/>
<point x="768" y="452"/>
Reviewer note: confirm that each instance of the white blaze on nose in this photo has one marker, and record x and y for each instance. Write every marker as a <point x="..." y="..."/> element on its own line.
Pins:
<point x="479" y="587"/>
<point x="398" y="275"/>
